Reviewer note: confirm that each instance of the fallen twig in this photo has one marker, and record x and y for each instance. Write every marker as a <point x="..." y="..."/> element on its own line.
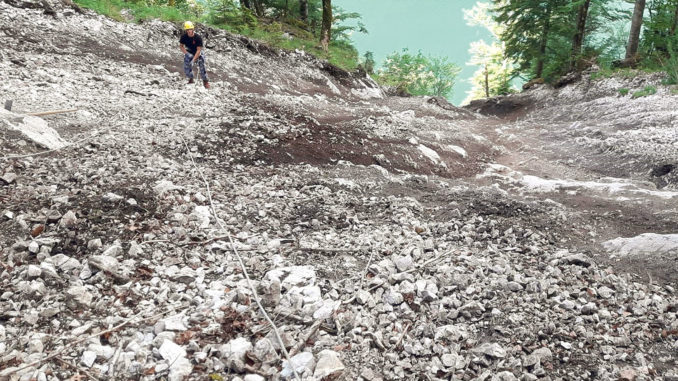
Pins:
<point x="311" y="331"/>
<point x="43" y="113"/>
<point x="76" y="342"/>
<point x="241" y="263"/>
<point x="362" y="278"/>
<point x="402" y="335"/>
<point x="76" y="368"/>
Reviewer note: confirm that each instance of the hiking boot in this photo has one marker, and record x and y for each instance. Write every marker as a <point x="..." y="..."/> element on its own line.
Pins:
<point x="206" y="84"/>
<point x="190" y="80"/>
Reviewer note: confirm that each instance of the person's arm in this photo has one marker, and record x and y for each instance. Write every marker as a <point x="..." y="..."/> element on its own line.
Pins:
<point x="197" y="54"/>
<point x="183" y="48"/>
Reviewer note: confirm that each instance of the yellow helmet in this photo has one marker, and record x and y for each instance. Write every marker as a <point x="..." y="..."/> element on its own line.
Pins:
<point x="188" y="25"/>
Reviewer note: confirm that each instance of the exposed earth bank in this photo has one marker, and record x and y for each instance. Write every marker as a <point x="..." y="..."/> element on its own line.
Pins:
<point x="387" y="238"/>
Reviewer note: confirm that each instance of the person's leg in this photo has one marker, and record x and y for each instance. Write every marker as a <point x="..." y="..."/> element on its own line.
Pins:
<point x="203" y="71"/>
<point x="188" y="68"/>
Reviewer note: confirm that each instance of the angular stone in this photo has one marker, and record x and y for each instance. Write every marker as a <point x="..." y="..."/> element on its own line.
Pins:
<point x="301" y="362"/>
<point x="490" y="349"/>
<point x="605" y="292"/>
<point x="175" y="323"/>
<point x="403" y="263"/>
<point x="88" y="358"/>
<point x="94" y="244"/>
<point x="112" y="197"/>
<point x="180" y="369"/>
<point x="234" y="352"/>
<point x="329" y="365"/>
<point x="171" y="352"/>
<point x="80" y="295"/>
<point x="69" y="220"/>
<point x="8" y="177"/>
<point x="33" y="247"/>
<point x="104" y="263"/>
<point x="589" y="309"/>
<point x="293" y="276"/>
<point x="33" y="271"/>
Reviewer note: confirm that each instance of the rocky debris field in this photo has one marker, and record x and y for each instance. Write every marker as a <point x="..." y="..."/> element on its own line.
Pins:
<point x="381" y="235"/>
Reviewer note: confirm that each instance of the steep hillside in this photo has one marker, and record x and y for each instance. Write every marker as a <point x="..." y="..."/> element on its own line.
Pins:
<point x="386" y="238"/>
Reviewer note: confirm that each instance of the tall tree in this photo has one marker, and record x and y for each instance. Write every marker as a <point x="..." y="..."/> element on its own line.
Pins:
<point x="495" y="71"/>
<point x="529" y="25"/>
<point x="634" y="34"/>
<point x="326" y="28"/>
<point x="578" y="40"/>
<point x="303" y="10"/>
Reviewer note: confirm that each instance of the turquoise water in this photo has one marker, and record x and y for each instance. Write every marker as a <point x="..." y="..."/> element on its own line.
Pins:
<point x="435" y="27"/>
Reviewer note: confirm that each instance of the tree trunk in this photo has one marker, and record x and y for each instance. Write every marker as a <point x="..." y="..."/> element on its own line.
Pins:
<point x="303" y="10"/>
<point x="326" y="27"/>
<point x="675" y="21"/>
<point x="542" y="46"/>
<point x="578" y="40"/>
<point x="246" y="4"/>
<point x="634" y="35"/>
<point x="258" y="8"/>
<point x="487" y="82"/>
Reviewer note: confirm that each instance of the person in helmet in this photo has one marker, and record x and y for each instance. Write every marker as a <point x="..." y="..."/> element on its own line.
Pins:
<point x="191" y="45"/>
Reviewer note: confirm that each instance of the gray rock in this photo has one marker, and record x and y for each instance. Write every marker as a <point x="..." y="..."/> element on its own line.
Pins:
<point x="104" y="263"/>
<point x="174" y="323"/>
<point x="265" y="352"/>
<point x="589" y="309"/>
<point x="253" y="377"/>
<point x="69" y="220"/>
<point x="514" y="286"/>
<point x="33" y="247"/>
<point x="234" y="353"/>
<point x="8" y="177"/>
<point x="95" y="244"/>
<point x="403" y="263"/>
<point x="578" y="260"/>
<point x="171" y="352"/>
<point x="490" y="349"/>
<point x="292" y="276"/>
<point x="504" y="376"/>
<point x="393" y="297"/>
<point x="88" y="358"/>
<point x="303" y="362"/>
<point x="112" y="197"/>
<point x="605" y="292"/>
<point x="80" y="295"/>
<point x="33" y="271"/>
<point x="329" y="365"/>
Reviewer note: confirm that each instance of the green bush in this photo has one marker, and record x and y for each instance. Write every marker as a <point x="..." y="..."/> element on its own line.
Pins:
<point x="623" y="92"/>
<point x="648" y="90"/>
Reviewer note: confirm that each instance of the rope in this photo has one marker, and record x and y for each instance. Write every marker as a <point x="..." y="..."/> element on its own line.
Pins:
<point x="242" y="264"/>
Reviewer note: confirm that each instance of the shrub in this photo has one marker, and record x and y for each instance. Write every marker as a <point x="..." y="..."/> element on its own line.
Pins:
<point x="623" y="91"/>
<point x="648" y="90"/>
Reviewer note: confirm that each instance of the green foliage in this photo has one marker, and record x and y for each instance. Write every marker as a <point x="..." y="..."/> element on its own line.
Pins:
<point x="368" y="63"/>
<point x="495" y="72"/>
<point x="140" y="10"/>
<point x="648" y="90"/>
<point x="285" y="33"/>
<point x="670" y="66"/>
<point x="417" y="74"/>
<point x="623" y="92"/>
<point x="674" y="91"/>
